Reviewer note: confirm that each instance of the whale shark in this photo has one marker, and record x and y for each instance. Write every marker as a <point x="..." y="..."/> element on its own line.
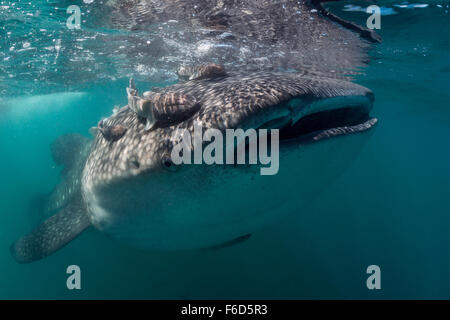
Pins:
<point x="129" y="189"/>
<point x="251" y="35"/>
<point x="124" y="182"/>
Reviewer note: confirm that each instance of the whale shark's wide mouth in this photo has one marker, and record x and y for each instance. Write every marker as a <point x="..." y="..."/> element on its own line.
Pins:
<point x="327" y="118"/>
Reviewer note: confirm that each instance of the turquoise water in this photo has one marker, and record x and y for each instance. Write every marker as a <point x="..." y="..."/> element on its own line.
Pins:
<point x="390" y="208"/>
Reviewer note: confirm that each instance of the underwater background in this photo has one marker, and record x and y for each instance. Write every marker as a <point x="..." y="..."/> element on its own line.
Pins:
<point x="389" y="208"/>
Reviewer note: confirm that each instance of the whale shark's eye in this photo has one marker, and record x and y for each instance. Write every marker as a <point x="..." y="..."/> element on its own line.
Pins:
<point x="167" y="163"/>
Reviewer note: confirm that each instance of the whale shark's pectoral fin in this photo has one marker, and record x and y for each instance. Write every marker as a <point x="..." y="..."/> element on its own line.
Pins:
<point x="53" y="234"/>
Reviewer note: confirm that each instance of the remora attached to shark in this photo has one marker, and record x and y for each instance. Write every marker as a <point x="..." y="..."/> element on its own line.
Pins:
<point x="125" y="185"/>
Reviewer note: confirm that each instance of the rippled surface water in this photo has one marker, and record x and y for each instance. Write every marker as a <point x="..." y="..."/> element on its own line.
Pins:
<point x="390" y="208"/>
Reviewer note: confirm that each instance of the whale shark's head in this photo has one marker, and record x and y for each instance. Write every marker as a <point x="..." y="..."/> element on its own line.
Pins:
<point x="135" y="191"/>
